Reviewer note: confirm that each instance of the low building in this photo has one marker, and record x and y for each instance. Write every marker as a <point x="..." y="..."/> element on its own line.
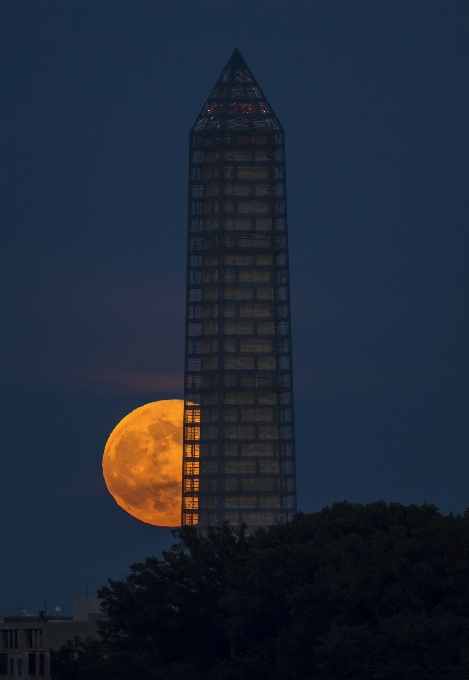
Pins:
<point x="26" y="641"/>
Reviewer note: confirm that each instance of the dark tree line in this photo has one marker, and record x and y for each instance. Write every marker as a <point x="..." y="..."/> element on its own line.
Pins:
<point x="354" y="592"/>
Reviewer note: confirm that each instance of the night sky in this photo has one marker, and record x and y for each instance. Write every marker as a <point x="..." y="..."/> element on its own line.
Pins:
<point x="98" y="100"/>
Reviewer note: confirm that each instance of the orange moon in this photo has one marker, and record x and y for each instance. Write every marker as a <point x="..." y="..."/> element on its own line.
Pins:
<point x="142" y="463"/>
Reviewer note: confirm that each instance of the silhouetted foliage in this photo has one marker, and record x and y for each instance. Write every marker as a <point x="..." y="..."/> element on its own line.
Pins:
<point x="353" y="592"/>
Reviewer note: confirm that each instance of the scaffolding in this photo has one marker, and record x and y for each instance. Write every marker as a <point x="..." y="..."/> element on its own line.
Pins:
<point x="239" y="460"/>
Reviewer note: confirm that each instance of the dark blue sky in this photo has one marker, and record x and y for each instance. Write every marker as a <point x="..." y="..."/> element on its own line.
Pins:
<point x="98" y="99"/>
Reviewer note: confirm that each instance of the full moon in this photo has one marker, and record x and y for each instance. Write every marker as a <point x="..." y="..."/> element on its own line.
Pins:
<point x="142" y="463"/>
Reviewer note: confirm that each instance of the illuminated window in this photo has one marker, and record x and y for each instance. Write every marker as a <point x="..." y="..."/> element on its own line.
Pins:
<point x="193" y="416"/>
<point x="192" y="433"/>
<point x="190" y="502"/>
<point x="192" y="450"/>
<point x="191" y="467"/>
<point x="191" y="484"/>
<point x="190" y="518"/>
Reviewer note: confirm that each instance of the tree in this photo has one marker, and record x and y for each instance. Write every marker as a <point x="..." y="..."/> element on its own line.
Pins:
<point x="377" y="591"/>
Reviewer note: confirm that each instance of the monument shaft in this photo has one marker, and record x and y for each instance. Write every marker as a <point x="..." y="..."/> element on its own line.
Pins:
<point x="239" y="460"/>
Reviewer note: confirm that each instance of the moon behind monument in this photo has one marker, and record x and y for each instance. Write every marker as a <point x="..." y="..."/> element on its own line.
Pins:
<point x="142" y="462"/>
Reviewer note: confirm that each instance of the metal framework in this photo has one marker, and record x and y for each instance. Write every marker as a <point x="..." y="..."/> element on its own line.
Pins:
<point x="239" y="459"/>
